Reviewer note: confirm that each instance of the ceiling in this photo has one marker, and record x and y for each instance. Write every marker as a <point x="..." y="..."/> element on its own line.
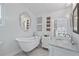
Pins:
<point x="41" y="8"/>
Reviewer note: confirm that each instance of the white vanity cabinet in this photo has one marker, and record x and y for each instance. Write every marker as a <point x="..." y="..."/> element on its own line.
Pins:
<point x="45" y="40"/>
<point x="62" y="48"/>
<point x="60" y="51"/>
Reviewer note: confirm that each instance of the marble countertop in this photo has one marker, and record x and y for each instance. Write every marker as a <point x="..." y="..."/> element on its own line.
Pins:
<point x="63" y="44"/>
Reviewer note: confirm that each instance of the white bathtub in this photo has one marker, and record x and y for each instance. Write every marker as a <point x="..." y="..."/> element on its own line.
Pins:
<point x="27" y="44"/>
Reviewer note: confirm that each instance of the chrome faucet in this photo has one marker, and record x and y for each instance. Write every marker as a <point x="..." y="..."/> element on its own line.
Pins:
<point x="72" y="41"/>
<point x="34" y="34"/>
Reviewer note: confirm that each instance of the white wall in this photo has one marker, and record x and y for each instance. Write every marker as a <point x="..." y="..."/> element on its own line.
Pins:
<point x="11" y="29"/>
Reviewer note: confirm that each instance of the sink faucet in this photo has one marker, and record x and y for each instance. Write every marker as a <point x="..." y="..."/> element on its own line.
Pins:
<point x="72" y="41"/>
<point x="34" y="34"/>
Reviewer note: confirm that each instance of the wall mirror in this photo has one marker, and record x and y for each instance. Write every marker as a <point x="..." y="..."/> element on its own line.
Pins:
<point x="25" y="21"/>
<point x="75" y="19"/>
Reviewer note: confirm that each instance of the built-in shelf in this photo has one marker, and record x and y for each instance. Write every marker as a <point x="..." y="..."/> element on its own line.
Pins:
<point x="48" y="23"/>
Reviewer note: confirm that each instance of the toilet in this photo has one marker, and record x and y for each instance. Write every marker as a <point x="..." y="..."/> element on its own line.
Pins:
<point x="27" y="44"/>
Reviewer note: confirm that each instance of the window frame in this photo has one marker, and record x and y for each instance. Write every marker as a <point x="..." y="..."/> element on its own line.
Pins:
<point x="76" y="7"/>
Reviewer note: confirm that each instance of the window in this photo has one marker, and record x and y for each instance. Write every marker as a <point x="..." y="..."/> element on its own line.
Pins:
<point x="61" y="26"/>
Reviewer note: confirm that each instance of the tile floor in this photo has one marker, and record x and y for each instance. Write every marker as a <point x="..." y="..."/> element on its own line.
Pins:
<point x="36" y="52"/>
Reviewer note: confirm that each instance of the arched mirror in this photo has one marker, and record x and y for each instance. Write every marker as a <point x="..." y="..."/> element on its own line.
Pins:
<point x="25" y="21"/>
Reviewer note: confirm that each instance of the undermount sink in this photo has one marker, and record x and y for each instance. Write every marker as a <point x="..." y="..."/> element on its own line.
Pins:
<point x="62" y="38"/>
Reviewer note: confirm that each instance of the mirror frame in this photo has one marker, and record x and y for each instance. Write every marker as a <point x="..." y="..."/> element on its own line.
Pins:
<point x="28" y="21"/>
<point x="76" y="7"/>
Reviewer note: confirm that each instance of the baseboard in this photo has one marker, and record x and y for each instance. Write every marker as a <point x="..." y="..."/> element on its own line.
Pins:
<point x="13" y="53"/>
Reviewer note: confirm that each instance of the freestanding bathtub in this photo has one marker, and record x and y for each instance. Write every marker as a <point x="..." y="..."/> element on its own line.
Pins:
<point x="27" y="44"/>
